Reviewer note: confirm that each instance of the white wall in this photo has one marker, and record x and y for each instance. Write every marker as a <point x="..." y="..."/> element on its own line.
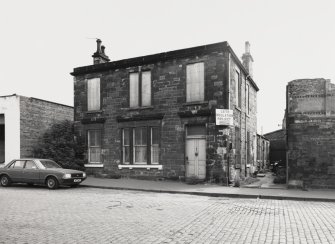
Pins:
<point x="10" y="107"/>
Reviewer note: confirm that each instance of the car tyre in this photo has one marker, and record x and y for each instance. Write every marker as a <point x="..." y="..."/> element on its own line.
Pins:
<point x="5" y="181"/>
<point x="52" y="183"/>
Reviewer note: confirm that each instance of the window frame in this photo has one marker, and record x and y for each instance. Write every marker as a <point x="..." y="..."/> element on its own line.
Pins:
<point x="140" y="90"/>
<point x="89" y="146"/>
<point x="132" y="145"/>
<point x="189" y="83"/>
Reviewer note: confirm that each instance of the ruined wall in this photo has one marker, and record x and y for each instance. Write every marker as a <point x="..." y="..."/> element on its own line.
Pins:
<point x="311" y="132"/>
<point x="36" y="116"/>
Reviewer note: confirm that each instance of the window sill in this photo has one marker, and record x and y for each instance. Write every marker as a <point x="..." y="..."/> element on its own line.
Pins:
<point x="143" y="166"/>
<point x="93" y="111"/>
<point x="137" y="108"/>
<point x="195" y="103"/>
<point x="93" y="165"/>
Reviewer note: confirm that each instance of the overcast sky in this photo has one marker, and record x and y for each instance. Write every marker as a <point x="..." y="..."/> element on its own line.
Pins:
<point x="42" y="41"/>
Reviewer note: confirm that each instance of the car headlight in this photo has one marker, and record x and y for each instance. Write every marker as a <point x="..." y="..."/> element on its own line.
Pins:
<point x="84" y="175"/>
<point x="66" y="176"/>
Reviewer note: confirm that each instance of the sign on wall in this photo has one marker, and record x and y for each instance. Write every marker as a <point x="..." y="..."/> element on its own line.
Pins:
<point x="224" y="117"/>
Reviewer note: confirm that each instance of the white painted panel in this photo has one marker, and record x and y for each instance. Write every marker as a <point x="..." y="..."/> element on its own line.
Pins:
<point x="93" y="94"/>
<point x="10" y="107"/>
<point x="195" y="82"/>
<point x="146" y="88"/>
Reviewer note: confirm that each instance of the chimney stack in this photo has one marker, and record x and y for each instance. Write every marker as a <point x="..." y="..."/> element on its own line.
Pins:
<point x="99" y="56"/>
<point x="247" y="59"/>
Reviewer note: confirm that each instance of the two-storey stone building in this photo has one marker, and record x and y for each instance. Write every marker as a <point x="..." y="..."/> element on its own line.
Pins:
<point x="155" y="116"/>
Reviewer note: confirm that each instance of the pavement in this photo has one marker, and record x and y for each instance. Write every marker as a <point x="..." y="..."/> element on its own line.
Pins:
<point x="212" y="190"/>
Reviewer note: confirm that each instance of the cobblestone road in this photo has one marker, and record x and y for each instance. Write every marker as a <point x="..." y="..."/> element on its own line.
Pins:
<point x="87" y="215"/>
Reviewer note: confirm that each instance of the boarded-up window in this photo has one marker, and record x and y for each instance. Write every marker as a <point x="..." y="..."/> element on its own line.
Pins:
<point x="94" y="146"/>
<point x="140" y="89"/>
<point x="247" y="95"/>
<point x="146" y="88"/>
<point x="93" y="94"/>
<point x="133" y="90"/>
<point x="237" y="148"/>
<point x="195" y="82"/>
<point x="238" y="88"/>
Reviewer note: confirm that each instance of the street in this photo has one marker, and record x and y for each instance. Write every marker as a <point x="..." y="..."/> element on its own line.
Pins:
<point x="89" y="215"/>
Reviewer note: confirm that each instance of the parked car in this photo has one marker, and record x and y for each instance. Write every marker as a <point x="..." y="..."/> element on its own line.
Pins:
<point x="39" y="171"/>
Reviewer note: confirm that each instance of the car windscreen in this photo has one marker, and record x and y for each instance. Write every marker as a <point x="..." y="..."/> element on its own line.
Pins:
<point x="49" y="164"/>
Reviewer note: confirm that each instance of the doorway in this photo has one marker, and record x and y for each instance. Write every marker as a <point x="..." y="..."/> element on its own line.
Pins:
<point x="2" y="138"/>
<point x="196" y="152"/>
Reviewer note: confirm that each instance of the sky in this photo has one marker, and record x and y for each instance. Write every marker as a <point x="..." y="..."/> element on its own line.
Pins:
<point x="42" y="41"/>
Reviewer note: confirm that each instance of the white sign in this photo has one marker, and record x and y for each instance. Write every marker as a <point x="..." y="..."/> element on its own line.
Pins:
<point x="224" y="117"/>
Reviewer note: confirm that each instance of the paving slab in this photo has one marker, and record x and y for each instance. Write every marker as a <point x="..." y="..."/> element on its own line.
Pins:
<point x="210" y="189"/>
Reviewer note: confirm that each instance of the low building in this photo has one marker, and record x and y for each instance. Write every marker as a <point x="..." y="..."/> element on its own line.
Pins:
<point x="277" y="141"/>
<point x="155" y="116"/>
<point x="23" y="120"/>
<point x="310" y="124"/>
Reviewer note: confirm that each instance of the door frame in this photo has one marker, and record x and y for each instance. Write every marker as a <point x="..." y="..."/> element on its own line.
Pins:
<point x="192" y="137"/>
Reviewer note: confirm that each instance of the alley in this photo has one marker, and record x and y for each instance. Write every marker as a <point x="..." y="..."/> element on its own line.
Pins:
<point x="87" y="215"/>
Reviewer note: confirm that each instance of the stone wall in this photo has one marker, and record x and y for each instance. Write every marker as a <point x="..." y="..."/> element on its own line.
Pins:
<point x="169" y="111"/>
<point x="311" y="133"/>
<point x="36" y="116"/>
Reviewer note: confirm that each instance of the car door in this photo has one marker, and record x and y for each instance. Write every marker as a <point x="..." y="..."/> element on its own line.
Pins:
<point x="15" y="171"/>
<point x="31" y="172"/>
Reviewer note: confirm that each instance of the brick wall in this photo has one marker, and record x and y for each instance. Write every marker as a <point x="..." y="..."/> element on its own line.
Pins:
<point x="311" y="132"/>
<point x="36" y="116"/>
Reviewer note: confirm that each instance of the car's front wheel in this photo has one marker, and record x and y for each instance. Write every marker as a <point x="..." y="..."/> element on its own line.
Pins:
<point x="5" y="180"/>
<point x="52" y="182"/>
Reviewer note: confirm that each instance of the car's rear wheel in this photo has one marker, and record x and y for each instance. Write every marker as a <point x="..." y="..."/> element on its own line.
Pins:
<point x="5" y="180"/>
<point x="52" y="183"/>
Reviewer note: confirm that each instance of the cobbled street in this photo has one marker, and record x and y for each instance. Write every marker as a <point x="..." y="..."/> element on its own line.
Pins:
<point x="88" y="215"/>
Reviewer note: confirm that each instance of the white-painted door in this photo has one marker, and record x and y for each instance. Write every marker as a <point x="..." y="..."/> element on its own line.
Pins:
<point x="196" y="158"/>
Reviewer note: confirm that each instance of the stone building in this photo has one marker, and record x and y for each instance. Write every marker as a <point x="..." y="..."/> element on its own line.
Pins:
<point x="155" y="116"/>
<point x="310" y="124"/>
<point x="23" y="120"/>
<point x="263" y="153"/>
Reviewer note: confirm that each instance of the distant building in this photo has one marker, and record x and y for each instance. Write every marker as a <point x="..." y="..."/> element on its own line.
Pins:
<point x="23" y="120"/>
<point x="277" y="141"/>
<point x="310" y="124"/>
<point x="155" y="116"/>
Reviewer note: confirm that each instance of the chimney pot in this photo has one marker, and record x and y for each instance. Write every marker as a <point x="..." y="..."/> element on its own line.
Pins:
<point x="247" y="47"/>
<point x="98" y="46"/>
<point x="99" y="56"/>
